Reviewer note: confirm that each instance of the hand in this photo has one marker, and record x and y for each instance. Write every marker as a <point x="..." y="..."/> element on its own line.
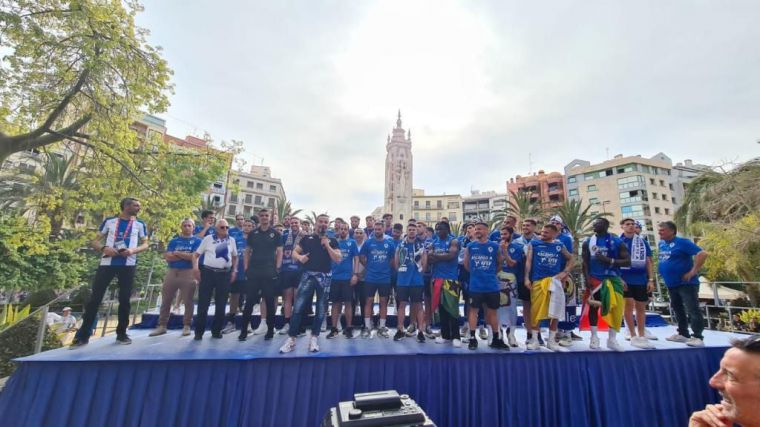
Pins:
<point x="197" y="274"/>
<point x="711" y="416"/>
<point x="561" y="276"/>
<point x="354" y="280"/>
<point x="688" y="276"/>
<point x="126" y="252"/>
<point x="110" y="252"/>
<point x="304" y="259"/>
<point x="325" y="241"/>
<point x="528" y="285"/>
<point x="625" y="285"/>
<point x="233" y="276"/>
<point x="650" y="286"/>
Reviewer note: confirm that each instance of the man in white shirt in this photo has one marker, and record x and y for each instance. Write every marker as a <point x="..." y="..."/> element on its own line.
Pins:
<point x="218" y="270"/>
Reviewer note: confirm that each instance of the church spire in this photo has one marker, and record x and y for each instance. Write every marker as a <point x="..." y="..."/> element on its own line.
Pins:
<point x="398" y="121"/>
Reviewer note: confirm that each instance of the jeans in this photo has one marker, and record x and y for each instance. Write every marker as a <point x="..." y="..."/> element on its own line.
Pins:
<point x="103" y="277"/>
<point x="685" y="302"/>
<point x="218" y="284"/>
<point x="311" y="281"/>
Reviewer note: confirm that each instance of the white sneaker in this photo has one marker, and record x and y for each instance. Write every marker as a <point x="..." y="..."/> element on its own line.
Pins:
<point x="648" y="335"/>
<point x="464" y="331"/>
<point x="439" y="340"/>
<point x="229" y="328"/>
<point x="566" y="342"/>
<point x="324" y="325"/>
<point x="613" y="344"/>
<point x="552" y="345"/>
<point x="533" y="344"/>
<point x="290" y="345"/>
<point x="313" y="344"/>
<point x="641" y="342"/>
<point x="285" y="329"/>
<point x="185" y="331"/>
<point x="695" y="342"/>
<point x="627" y="335"/>
<point x="483" y="333"/>
<point x="262" y="329"/>
<point x="456" y="342"/>
<point x="511" y="340"/>
<point x="594" y="344"/>
<point x="677" y="338"/>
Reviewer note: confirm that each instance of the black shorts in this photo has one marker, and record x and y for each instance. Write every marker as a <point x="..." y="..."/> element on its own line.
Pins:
<point x="409" y="293"/>
<point x="290" y="279"/>
<point x="427" y="288"/>
<point x="238" y="287"/>
<point x="523" y="293"/>
<point x="384" y="289"/>
<point x="489" y="299"/>
<point x="341" y="291"/>
<point x="638" y="293"/>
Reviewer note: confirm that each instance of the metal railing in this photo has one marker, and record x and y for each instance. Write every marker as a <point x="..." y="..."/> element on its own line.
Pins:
<point x="42" y="311"/>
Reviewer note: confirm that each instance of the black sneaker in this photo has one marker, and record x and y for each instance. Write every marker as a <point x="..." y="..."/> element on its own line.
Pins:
<point x="302" y="332"/>
<point x="78" y="343"/>
<point x="217" y="335"/>
<point x="123" y="339"/>
<point x="198" y="337"/>
<point x="348" y="333"/>
<point x="333" y="333"/>
<point x="269" y="335"/>
<point x="243" y="336"/>
<point x="473" y="344"/>
<point x="420" y="337"/>
<point x="498" y="344"/>
<point x="399" y="336"/>
<point x="575" y="337"/>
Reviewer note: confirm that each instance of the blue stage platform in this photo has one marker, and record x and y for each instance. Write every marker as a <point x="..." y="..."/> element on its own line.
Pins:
<point x="173" y="380"/>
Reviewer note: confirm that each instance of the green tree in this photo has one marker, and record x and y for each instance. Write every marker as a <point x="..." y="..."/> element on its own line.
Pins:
<point x="577" y="219"/>
<point x="522" y="206"/>
<point x="283" y="208"/>
<point x="78" y="71"/>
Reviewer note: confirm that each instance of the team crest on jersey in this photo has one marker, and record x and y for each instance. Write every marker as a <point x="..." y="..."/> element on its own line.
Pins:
<point x="511" y="250"/>
<point x="594" y="248"/>
<point x="385" y="246"/>
<point x="271" y="235"/>
<point x="490" y="249"/>
<point x="672" y="244"/>
<point x="559" y="248"/>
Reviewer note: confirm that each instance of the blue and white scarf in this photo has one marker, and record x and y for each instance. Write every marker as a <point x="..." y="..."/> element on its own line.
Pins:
<point x="638" y="254"/>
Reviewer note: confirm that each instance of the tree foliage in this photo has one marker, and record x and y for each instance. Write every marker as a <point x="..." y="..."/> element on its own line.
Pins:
<point x="283" y="208"/>
<point x="77" y="70"/>
<point x="577" y="219"/>
<point x="521" y="206"/>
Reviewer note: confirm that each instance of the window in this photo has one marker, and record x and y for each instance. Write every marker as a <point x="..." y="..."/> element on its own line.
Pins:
<point x="607" y="172"/>
<point x="626" y="168"/>
<point x="427" y="216"/>
<point x="593" y="201"/>
<point x="654" y="196"/>
<point x="596" y="174"/>
<point x="417" y="216"/>
<point x="452" y="205"/>
<point x="452" y="216"/>
<point x="632" y="210"/>
<point x="416" y="205"/>
<point x="270" y="203"/>
<point x="247" y="210"/>
<point x="670" y="186"/>
<point x="249" y="184"/>
<point x="248" y="198"/>
<point x="631" y="196"/>
<point x="217" y="185"/>
<point x="438" y="204"/>
<point x="236" y="181"/>
<point x="667" y="211"/>
<point x="630" y="182"/>
<point x="257" y="201"/>
<point x="554" y="198"/>
<point x="651" y="181"/>
<point x="656" y="210"/>
<point x="217" y="200"/>
<point x="572" y="192"/>
<point x="259" y="186"/>
<point x="662" y="183"/>
<point x="272" y="188"/>
<point x="571" y="179"/>
<point x="427" y="206"/>
<point x="673" y="199"/>
<point x="231" y="210"/>
<point x="591" y="188"/>
<point x="233" y="198"/>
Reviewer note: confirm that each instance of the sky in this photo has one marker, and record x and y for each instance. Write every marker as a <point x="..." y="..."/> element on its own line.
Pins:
<point x="489" y="89"/>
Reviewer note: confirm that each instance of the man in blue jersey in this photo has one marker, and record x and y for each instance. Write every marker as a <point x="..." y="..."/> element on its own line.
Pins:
<point x="125" y="237"/>
<point x="528" y="228"/>
<point x="237" y="287"/>
<point x="290" y="272"/>
<point x="443" y="255"/>
<point x="206" y="227"/>
<point x="603" y="255"/>
<point x="483" y="260"/>
<point x="565" y="334"/>
<point x="411" y="259"/>
<point x="388" y="224"/>
<point x="509" y="221"/>
<point x="396" y="232"/>
<point x="344" y="278"/>
<point x="377" y="257"/>
<point x="639" y="282"/>
<point x="370" y="228"/>
<point x="464" y="276"/>
<point x="513" y="267"/>
<point x="679" y="263"/>
<point x="179" y="277"/>
<point x="542" y="269"/>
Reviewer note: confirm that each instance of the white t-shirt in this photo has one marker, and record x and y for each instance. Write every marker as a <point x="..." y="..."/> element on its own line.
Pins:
<point x="217" y="252"/>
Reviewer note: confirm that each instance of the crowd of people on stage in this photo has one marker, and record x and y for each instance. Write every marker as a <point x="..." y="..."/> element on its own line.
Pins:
<point x="420" y="266"/>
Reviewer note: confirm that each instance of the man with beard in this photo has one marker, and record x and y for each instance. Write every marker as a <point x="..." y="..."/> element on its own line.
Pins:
<point x="377" y="257"/>
<point x="410" y="258"/>
<point x="444" y="252"/>
<point x="290" y="272"/>
<point x="316" y="252"/>
<point x="344" y="278"/>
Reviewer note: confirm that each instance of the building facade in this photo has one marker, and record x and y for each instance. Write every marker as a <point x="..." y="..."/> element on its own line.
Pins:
<point x="681" y="176"/>
<point x="432" y="208"/>
<point x="398" y="173"/>
<point x="255" y="190"/>
<point x="548" y="189"/>
<point x="483" y="205"/>
<point x="625" y="187"/>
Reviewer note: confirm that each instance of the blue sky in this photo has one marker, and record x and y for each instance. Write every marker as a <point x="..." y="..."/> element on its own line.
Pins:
<point x="312" y="87"/>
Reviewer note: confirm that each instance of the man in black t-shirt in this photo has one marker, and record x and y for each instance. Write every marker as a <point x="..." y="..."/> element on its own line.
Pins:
<point x="316" y="252"/>
<point x="263" y="258"/>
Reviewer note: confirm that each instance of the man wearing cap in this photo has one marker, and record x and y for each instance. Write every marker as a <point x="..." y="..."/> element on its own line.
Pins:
<point x="68" y="321"/>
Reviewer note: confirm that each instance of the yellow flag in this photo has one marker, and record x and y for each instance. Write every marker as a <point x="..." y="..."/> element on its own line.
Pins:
<point x="3" y="317"/>
<point x="24" y="312"/>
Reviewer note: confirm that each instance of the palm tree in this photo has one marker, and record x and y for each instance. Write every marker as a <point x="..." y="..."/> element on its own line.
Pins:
<point x="48" y="190"/>
<point x="456" y="228"/>
<point x="521" y="206"/>
<point x="577" y="219"/>
<point x="283" y="208"/>
<point x="208" y="204"/>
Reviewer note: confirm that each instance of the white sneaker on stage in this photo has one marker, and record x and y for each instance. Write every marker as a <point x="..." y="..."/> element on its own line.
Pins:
<point x="285" y="329"/>
<point x="677" y="338"/>
<point x="641" y="342"/>
<point x="613" y="344"/>
<point x="229" y="328"/>
<point x="511" y="339"/>
<point x="313" y="344"/>
<point x="456" y="342"/>
<point x="440" y="340"/>
<point x="533" y="344"/>
<point x="648" y="335"/>
<point x="695" y="342"/>
<point x="594" y="344"/>
<point x="483" y="333"/>
<point x="627" y="335"/>
<point x="552" y="345"/>
<point x="262" y="329"/>
<point x="290" y="345"/>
